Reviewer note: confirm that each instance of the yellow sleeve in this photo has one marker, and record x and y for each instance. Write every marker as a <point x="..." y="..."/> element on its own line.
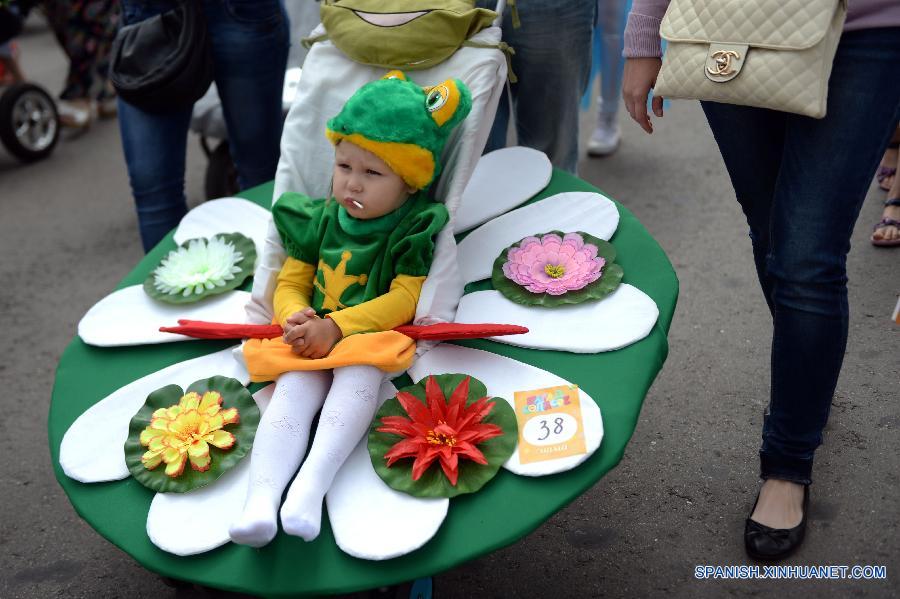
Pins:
<point x="383" y="313"/>
<point x="293" y="289"/>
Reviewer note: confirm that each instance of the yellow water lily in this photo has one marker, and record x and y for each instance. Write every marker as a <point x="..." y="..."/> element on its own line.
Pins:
<point x="185" y="431"/>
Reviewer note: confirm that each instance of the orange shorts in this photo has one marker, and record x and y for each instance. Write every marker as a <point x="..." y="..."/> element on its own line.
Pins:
<point x="387" y="350"/>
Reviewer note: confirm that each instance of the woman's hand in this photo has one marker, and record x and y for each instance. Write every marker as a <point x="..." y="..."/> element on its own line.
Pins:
<point x="639" y="78"/>
<point x="314" y="338"/>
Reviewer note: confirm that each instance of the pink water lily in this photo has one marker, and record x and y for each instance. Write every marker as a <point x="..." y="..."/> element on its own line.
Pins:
<point x="553" y="264"/>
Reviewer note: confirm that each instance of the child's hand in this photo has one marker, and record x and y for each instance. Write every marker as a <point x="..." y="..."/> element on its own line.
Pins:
<point x="314" y="338"/>
<point x="297" y="318"/>
<point x="300" y="317"/>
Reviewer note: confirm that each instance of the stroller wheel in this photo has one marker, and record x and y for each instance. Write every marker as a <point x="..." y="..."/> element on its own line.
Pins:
<point x="29" y="122"/>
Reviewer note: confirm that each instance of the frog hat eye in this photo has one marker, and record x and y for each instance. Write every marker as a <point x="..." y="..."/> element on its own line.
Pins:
<point x="442" y="101"/>
<point x="436" y="98"/>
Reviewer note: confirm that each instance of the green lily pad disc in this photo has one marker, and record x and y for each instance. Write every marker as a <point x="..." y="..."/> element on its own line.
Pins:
<point x="434" y="483"/>
<point x="234" y="395"/>
<point x="245" y="266"/>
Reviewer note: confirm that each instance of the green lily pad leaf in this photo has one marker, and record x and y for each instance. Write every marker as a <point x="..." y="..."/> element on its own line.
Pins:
<point x="434" y="482"/>
<point x="610" y="278"/>
<point x="233" y="394"/>
<point x="201" y="267"/>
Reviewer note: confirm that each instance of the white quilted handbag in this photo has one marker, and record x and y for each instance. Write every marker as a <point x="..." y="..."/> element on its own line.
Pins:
<point x="768" y="53"/>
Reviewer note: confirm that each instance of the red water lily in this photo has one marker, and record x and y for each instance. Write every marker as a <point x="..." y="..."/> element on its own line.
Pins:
<point x="444" y="430"/>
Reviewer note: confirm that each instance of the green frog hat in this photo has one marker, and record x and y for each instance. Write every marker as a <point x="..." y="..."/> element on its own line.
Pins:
<point x="403" y="124"/>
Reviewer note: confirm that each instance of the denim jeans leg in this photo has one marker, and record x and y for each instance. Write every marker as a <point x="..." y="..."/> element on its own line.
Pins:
<point x="611" y="17"/>
<point x="751" y="141"/>
<point x="552" y="63"/>
<point x="500" y="128"/>
<point x="250" y="42"/>
<point x="823" y="174"/>
<point x="154" y="146"/>
<point x="827" y="167"/>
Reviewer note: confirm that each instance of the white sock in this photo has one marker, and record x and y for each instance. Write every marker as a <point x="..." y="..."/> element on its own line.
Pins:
<point x="345" y="419"/>
<point x="281" y="440"/>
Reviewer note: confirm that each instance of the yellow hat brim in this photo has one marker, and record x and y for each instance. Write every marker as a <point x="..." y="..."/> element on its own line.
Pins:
<point x="414" y="164"/>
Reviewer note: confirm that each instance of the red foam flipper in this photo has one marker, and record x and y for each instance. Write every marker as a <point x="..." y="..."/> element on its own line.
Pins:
<point x="435" y="332"/>
<point x="453" y="330"/>
<point x="218" y="330"/>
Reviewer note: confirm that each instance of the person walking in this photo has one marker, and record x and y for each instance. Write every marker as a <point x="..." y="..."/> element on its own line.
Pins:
<point x="800" y="182"/>
<point x="610" y="25"/>
<point x="85" y="30"/>
<point x="552" y="61"/>
<point x="886" y="232"/>
<point x="249" y="40"/>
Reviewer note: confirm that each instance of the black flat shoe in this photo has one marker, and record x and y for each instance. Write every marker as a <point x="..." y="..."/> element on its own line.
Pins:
<point x="773" y="544"/>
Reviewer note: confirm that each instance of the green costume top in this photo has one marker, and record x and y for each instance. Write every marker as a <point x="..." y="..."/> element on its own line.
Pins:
<point x="356" y="259"/>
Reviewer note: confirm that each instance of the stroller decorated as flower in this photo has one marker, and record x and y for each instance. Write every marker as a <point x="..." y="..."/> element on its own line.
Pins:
<point x="610" y="348"/>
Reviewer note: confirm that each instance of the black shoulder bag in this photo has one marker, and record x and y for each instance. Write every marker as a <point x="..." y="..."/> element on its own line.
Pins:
<point x="165" y="62"/>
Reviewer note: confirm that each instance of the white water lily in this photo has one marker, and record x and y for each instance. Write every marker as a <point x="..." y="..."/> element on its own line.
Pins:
<point x="200" y="266"/>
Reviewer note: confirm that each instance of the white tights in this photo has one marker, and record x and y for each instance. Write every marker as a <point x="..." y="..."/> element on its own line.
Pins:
<point x="281" y="441"/>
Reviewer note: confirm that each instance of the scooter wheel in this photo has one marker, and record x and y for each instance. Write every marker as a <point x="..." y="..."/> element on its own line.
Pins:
<point x="29" y="122"/>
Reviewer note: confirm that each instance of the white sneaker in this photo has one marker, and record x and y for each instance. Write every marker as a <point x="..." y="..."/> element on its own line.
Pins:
<point x="605" y="139"/>
<point x="76" y="115"/>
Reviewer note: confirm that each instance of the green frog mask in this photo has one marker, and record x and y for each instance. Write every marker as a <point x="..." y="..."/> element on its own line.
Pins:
<point x="402" y="34"/>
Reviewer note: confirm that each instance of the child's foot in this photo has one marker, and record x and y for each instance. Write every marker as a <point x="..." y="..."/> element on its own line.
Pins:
<point x="301" y="514"/>
<point x="257" y="524"/>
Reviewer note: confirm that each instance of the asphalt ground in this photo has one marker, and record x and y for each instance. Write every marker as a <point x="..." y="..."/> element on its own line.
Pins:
<point x="679" y="497"/>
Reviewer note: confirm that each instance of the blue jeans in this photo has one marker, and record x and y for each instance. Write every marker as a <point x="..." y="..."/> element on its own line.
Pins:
<point x="553" y="65"/>
<point x="801" y="183"/>
<point x="611" y="18"/>
<point x="250" y="46"/>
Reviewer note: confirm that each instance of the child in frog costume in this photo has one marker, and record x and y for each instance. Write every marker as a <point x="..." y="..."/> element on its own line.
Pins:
<point x="355" y="268"/>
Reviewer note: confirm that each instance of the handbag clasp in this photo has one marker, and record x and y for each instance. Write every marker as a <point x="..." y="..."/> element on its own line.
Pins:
<point x="724" y="61"/>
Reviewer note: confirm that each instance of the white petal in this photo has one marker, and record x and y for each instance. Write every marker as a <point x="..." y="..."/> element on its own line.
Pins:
<point x="621" y="318"/>
<point x="225" y="215"/>
<point x="198" y="521"/>
<point x="503" y="377"/>
<point x="372" y="521"/>
<point x="93" y="449"/>
<point x="502" y="180"/>
<point x="566" y="212"/>
<point x="130" y="317"/>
